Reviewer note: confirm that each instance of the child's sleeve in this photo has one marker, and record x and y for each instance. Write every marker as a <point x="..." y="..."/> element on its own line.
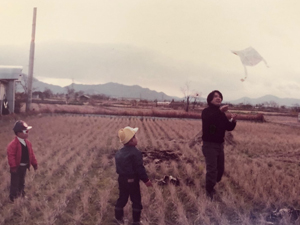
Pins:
<point x="11" y="155"/>
<point x="140" y="169"/>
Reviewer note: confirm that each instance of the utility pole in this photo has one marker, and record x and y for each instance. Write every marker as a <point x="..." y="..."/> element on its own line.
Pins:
<point x="31" y="62"/>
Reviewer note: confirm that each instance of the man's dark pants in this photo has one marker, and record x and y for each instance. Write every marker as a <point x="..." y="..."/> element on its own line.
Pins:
<point x="17" y="182"/>
<point x="214" y="159"/>
<point x="129" y="188"/>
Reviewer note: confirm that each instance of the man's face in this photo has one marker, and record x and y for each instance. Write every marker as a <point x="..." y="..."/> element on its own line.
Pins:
<point x="23" y="134"/>
<point x="217" y="100"/>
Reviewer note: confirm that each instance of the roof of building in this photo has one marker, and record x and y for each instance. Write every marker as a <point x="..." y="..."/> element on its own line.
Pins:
<point x="10" y="72"/>
<point x="84" y="96"/>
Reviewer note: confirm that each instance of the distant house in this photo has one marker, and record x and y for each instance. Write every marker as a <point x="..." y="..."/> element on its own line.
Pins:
<point x="8" y="76"/>
<point x="84" y="98"/>
<point x="163" y="103"/>
<point x="37" y="94"/>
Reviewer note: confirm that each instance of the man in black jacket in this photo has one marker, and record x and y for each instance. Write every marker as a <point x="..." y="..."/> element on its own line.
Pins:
<point x="214" y="125"/>
<point x="129" y="164"/>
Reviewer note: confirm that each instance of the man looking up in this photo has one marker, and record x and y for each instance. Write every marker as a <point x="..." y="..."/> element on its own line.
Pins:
<point x="214" y="125"/>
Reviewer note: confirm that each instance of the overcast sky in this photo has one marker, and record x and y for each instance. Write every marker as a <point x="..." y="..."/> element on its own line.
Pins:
<point x="158" y="44"/>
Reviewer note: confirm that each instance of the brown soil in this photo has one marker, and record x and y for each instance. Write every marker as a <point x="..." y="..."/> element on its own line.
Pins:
<point x="158" y="156"/>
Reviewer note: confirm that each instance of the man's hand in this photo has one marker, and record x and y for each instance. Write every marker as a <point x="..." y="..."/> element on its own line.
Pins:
<point x="149" y="183"/>
<point x="233" y="117"/>
<point x="224" y="108"/>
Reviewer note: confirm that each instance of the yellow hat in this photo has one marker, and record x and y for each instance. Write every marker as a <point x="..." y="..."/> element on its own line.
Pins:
<point x="125" y="134"/>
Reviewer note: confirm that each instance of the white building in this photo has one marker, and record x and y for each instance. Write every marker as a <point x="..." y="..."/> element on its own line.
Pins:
<point x="8" y="77"/>
<point x="163" y="103"/>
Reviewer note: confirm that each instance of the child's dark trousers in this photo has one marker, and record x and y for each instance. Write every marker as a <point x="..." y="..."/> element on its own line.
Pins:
<point x="17" y="183"/>
<point x="129" y="188"/>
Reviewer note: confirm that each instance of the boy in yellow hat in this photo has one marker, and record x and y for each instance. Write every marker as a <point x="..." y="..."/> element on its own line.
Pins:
<point x="129" y="164"/>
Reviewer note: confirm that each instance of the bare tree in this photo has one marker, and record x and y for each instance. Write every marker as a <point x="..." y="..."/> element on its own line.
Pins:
<point x="273" y="104"/>
<point x="23" y="82"/>
<point x="70" y="90"/>
<point x="70" y="93"/>
<point x="186" y="93"/>
<point x="190" y="95"/>
<point x="47" y="93"/>
<point x="78" y="94"/>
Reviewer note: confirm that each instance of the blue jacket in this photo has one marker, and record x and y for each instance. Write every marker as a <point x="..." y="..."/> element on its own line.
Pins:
<point x="129" y="163"/>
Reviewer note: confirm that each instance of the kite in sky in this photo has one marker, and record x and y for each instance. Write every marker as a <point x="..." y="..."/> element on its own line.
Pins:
<point x="249" y="57"/>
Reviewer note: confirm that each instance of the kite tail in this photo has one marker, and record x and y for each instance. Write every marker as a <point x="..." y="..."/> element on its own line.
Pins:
<point x="265" y="62"/>
<point x="245" y="73"/>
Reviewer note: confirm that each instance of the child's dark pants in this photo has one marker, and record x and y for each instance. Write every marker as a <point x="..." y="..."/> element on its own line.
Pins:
<point x="214" y="159"/>
<point x="129" y="187"/>
<point x="17" y="182"/>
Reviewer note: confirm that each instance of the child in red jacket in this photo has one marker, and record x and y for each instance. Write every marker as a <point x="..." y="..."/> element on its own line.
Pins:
<point x="20" y="156"/>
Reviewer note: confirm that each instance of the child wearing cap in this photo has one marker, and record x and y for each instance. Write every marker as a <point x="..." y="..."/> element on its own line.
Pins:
<point x="20" y="156"/>
<point x="129" y="164"/>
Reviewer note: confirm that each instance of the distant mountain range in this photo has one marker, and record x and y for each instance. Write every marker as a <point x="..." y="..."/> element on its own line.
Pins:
<point x="116" y="90"/>
<point x="113" y="90"/>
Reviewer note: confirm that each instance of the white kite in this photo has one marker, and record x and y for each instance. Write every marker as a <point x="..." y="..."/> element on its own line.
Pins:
<point x="249" y="57"/>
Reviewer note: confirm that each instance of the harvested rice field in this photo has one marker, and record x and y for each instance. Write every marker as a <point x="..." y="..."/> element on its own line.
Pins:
<point x="76" y="182"/>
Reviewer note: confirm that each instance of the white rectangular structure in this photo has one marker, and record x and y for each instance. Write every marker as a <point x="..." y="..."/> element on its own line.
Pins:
<point x="2" y="91"/>
<point x="8" y="76"/>
<point x="10" y="72"/>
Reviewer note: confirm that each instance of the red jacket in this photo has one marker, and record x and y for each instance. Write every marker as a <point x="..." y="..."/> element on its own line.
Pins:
<point x="14" y="154"/>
